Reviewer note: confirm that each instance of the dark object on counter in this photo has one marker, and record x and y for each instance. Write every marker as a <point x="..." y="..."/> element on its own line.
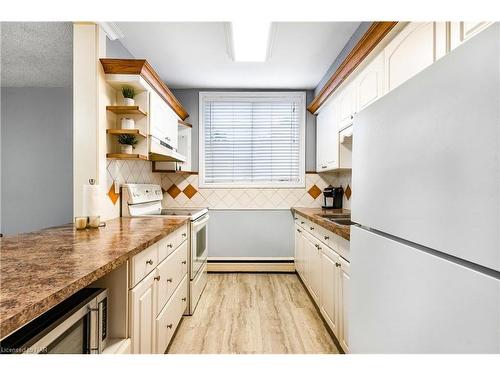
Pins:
<point x="333" y="196"/>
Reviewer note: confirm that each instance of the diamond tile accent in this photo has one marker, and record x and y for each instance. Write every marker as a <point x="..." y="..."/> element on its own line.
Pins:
<point x="348" y="192"/>
<point x="190" y="191"/>
<point x="112" y="195"/>
<point x="173" y="191"/>
<point x="314" y="191"/>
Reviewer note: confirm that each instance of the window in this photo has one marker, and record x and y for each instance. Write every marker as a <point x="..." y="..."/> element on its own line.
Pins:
<point x="252" y="139"/>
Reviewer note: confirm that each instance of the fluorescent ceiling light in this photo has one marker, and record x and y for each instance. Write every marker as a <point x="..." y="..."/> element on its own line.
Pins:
<point x="250" y="40"/>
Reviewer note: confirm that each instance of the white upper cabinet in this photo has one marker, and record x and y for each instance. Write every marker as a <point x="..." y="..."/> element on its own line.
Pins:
<point x="347" y="105"/>
<point x="412" y="50"/>
<point x="461" y="31"/>
<point x="163" y="121"/>
<point x="327" y="137"/>
<point x="370" y="82"/>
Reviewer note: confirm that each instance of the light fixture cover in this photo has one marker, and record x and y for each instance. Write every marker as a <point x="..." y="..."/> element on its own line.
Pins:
<point x="250" y="40"/>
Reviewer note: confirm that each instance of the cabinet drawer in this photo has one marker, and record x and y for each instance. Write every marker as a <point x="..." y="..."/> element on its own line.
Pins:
<point x="142" y="264"/>
<point x="171" y="271"/>
<point x="167" y="245"/>
<point x="169" y="318"/>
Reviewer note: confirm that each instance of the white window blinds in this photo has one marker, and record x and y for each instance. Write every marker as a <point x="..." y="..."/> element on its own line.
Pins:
<point x="252" y="139"/>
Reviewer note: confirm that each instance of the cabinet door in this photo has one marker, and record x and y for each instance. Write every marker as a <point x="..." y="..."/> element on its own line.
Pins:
<point x="411" y="51"/>
<point x="327" y="137"/>
<point x="346" y="106"/>
<point x="344" y="285"/>
<point x="299" y="244"/>
<point x="462" y="31"/>
<point x="329" y="288"/>
<point x="142" y="309"/>
<point x="163" y="121"/>
<point x="313" y="256"/>
<point x="370" y="82"/>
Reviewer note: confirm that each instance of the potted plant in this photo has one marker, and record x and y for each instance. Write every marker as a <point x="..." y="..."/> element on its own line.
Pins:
<point x="128" y="95"/>
<point x="127" y="142"/>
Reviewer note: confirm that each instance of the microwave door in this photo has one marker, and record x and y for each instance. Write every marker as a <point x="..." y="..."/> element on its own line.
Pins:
<point x="72" y="336"/>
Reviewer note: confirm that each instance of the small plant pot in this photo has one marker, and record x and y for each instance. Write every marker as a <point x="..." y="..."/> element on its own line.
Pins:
<point x="128" y="101"/>
<point x="127" y="149"/>
<point x="128" y="123"/>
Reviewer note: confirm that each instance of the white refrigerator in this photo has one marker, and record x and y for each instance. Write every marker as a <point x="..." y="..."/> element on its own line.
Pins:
<point x="425" y="253"/>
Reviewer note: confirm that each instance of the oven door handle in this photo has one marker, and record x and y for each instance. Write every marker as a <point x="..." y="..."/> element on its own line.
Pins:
<point x="200" y="221"/>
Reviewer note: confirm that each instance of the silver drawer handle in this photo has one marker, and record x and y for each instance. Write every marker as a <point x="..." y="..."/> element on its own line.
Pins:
<point x="157" y="278"/>
<point x="170" y="245"/>
<point x="184" y="299"/>
<point x="298" y="230"/>
<point x="311" y="228"/>
<point x="183" y="262"/>
<point x="337" y="264"/>
<point x="301" y="222"/>
<point x="184" y="234"/>
<point x="169" y="280"/>
<point x="150" y="262"/>
<point x="327" y="238"/>
<point x="169" y="326"/>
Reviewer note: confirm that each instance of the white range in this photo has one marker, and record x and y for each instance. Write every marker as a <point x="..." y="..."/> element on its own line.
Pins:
<point x="144" y="200"/>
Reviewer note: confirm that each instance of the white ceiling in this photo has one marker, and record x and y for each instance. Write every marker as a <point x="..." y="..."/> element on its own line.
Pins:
<point x="36" y="54"/>
<point x="195" y="55"/>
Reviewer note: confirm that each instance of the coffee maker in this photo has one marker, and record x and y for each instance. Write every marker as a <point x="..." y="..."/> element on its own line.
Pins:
<point x="333" y="196"/>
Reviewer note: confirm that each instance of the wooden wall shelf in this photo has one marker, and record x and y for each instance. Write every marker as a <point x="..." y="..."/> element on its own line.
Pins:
<point x="126" y="131"/>
<point x="145" y="70"/>
<point x="127" y="156"/>
<point x="126" y="110"/>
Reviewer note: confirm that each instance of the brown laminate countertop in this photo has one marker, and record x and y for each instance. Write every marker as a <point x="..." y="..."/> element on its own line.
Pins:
<point x="316" y="216"/>
<point x="40" y="269"/>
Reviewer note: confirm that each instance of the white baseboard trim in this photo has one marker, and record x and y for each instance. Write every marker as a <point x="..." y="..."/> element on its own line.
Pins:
<point x="251" y="264"/>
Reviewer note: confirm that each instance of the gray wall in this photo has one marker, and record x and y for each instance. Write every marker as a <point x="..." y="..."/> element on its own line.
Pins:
<point x="251" y="233"/>
<point x="190" y="100"/>
<point x="115" y="49"/>
<point x="37" y="158"/>
<point x="356" y="36"/>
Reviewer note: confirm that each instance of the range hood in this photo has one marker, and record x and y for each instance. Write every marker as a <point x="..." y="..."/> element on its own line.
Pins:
<point x="160" y="152"/>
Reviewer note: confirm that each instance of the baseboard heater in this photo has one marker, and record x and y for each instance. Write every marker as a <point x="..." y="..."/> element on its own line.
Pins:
<point x="240" y="264"/>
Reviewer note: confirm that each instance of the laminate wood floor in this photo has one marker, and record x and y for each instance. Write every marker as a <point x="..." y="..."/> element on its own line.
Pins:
<point x="244" y="313"/>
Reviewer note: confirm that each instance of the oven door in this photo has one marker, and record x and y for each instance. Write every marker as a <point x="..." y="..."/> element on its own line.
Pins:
<point x="199" y="244"/>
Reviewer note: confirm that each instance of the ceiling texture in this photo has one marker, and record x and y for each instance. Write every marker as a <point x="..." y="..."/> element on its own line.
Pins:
<point x="198" y="54"/>
<point x="36" y="54"/>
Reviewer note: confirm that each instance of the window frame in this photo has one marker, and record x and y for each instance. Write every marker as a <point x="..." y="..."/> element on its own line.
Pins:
<point x="296" y="95"/>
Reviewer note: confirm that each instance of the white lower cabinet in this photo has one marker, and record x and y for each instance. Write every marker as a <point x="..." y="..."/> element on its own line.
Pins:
<point x="343" y="300"/>
<point x="330" y="279"/>
<point x="159" y="300"/>
<point x="142" y="322"/>
<point x="169" y="317"/>
<point x="321" y="266"/>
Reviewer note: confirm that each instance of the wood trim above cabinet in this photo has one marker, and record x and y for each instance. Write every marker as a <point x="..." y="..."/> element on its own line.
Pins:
<point x="145" y="70"/>
<point x="372" y="37"/>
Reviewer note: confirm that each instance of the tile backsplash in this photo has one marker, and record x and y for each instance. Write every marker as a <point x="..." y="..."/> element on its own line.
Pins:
<point x="184" y="191"/>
